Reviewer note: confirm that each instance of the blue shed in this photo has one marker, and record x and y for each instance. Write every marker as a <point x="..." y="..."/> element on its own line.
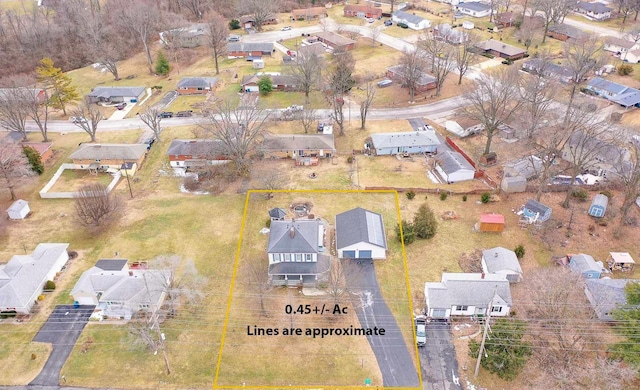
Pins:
<point x="536" y="211"/>
<point x="598" y="206"/>
<point x="586" y="266"/>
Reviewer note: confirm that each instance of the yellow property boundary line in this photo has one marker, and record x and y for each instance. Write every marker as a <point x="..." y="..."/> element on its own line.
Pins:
<point x="235" y="271"/>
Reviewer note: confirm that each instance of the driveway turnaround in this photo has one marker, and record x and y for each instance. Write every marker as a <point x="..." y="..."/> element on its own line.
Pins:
<point x="438" y="359"/>
<point x="392" y="354"/>
<point x="62" y="330"/>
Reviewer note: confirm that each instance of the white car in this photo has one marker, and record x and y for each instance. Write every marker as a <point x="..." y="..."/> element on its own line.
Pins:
<point x="77" y="119"/>
<point x="371" y="20"/>
<point x="286" y="28"/>
<point x="421" y="332"/>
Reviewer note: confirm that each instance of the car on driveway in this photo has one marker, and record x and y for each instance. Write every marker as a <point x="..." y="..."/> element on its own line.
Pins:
<point x="166" y="114"/>
<point x="121" y="106"/>
<point x="286" y="28"/>
<point x="421" y="331"/>
<point x="184" y="114"/>
<point x="370" y="20"/>
<point x="77" y="119"/>
<point x="150" y="142"/>
<point x="388" y="23"/>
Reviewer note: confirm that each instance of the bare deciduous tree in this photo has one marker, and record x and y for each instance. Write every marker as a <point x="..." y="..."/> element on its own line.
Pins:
<point x="375" y="34"/>
<point x="217" y="32"/>
<point x="307" y="117"/>
<point x="152" y="118"/>
<point x="553" y="11"/>
<point x="88" y="117"/>
<point x="465" y="54"/>
<point x="365" y="103"/>
<point x="308" y="72"/>
<point x="13" y="163"/>
<point x="527" y="32"/>
<point x="238" y="129"/>
<point x="582" y="57"/>
<point x="339" y="83"/>
<point x="38" y="110"/>
<point x="537" y="94"/>
<point x="270" y="181"/>
<point x="14" y="110"/>
<point x="412" y="65"/>
<point x="180" y="280"/>
<point x="441" y="55"/>
<point x="257" y="280"/>
<point x="494" y="101"/>
<point x="95" y="206"/>
<point x="629" y="174"/>
<point x="345" y="277"/>
<point x="549" y="145"/>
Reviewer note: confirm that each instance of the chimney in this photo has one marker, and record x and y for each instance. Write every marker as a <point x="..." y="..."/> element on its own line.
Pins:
<point x="292" y="232"/>
<point x="495" y="254"/>
<point x="130" y="273"/>
<point x="482" y="275"/>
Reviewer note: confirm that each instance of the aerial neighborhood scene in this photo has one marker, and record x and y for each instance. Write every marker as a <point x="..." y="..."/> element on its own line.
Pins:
<point x="313" y="194"/>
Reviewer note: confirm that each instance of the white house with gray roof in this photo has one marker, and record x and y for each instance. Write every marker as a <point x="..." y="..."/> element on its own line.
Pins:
<point x="414" y="22"/>
<point x="605" y="295"/>
<point x="117" y="94"/>
<point x="503" y="261"/>
<point x="295" y="251"/>
<point x="453" y="167"/>
<point x="475" y="9"/>
<point x="24" y="276"/>
<point x="468" y="294"/>
<point x="360" y="234"/>
<point x="119" y="291"/>
<point x="405" y="142"/>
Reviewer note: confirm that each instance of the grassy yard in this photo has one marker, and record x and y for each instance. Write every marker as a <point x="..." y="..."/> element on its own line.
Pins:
<point x="184" y="103"/>
<point x="73" y="180"/>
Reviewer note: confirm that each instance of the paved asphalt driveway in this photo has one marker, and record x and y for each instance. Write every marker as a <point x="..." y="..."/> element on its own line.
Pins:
<point x="392" y="354"/>
<point x="438" y="359"/>
<point x="62" y="329"/>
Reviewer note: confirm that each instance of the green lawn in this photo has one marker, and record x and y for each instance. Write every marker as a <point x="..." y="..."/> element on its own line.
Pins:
<point x="187" y="102"/>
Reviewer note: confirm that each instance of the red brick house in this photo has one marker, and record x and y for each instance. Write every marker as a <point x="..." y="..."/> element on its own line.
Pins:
<point x="283" y="83"/>
<point x="425" y="83"/>
<point x="248" y="21"/>
<point x="338" y="42"/>
<point x="249" y="49"/>
<point x="501" y="49"/>
<point x="362" y="11"/>
<point x="309" y="13"/>
<point x="43" y="148"/>
<point x="187" y="153"/>
<point x="563" y="32"/>
<point x="196" y="85"/>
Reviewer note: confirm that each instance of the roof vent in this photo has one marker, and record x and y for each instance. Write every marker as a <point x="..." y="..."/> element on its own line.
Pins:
<point x="292" y="232"/>
<point x="495" y="254"/>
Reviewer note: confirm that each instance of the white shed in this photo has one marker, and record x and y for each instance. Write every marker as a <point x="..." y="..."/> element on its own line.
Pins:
<point x="19" y="209"/>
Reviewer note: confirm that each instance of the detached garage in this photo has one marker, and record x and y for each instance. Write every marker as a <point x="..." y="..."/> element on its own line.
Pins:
<point x="453" y="167"/>
<point x="360" y="234"/>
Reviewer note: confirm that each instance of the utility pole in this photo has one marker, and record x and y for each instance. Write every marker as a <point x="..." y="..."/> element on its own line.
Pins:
<point x="126" y="173"/>
<point x="156" y="325"/>
<point x="486" y="328"/>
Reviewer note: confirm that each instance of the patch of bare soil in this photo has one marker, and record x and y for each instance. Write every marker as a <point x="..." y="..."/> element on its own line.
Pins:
<point x="471" y="261"/>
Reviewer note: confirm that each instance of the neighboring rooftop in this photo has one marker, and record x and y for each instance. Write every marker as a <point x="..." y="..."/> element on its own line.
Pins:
<point x="472" y="289"/>
<point x="250" y="46"/>
<point x="197" y="82"/>
<point x="405" y="138"/>
<point x="109" y="151"/>
<point x="500" y="259"/>
<point x="107" y="92"/>
<point x="195" y="147"/>
<point x="410" y="18"/>
<point x="298" y="142"/>
<point x="501" y="47"/>
<point x="451" y="161"/>
<point x="334" y="38"/>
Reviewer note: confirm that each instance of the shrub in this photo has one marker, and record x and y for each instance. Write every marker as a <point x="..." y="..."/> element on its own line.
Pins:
<point x="485" y="197"/>
<point x="625" y="69"/>
<point x="350" y="160"/>
<point x="407" y="232"/>
<point x="411" y="194"/>
<point x="520" y="251"/>
<point x="265" y="85"/>
<point x="607" y="193"/>
<point x="267" y="223"/>
<point x="443" y="196"/>
<point x="580" y="193"/>
<point x="234" y="24"/>
<point x="34" y="159"/>
<point x="425" y="224"/>
<point x="464" y="197"/>
<point x="50" y="285"/>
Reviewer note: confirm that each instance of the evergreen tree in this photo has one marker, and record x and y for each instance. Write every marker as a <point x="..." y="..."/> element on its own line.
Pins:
<point x="34" y="159"/>
<point x="59" y="84"/>
<point x="162" y="64"/>
<point x="407" y="232"/>
<point x="506" y="353"/>
<point x="628" y="326"/>
<point x="425" y="224"/>
<point x="265" y="85"/>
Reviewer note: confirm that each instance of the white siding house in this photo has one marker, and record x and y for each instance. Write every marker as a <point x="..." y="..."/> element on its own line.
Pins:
<point x="24" y="276"/>
<point x="414" y="22"/>
<point x="405" y="142"/>
<point x="453" y="167"/>
<point x="502" y="261"/>
<point x="468" y="294"/>
<point x="475" y="9"/>
<point x="360" y="234"/>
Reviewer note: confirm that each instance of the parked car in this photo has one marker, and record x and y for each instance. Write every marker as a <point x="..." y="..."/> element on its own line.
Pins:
<point x="388" y="23"/>
<point x="421" y="331"/>
<point x="184" y="114"/>
<point x="77" y="119"/>
<point x="295" y="107"/>
<point x="166" y="114"/>
<point x="234" y="38"/>
<point x="286" y="28"/>
<point x="121" y="106"/>
<point x="370" y="20"/>
<point x="402" y="25"/>
<point x="149" y="142"/>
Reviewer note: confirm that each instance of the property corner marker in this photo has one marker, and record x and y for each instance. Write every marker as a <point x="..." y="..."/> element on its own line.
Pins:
<point x="216" y="385"/>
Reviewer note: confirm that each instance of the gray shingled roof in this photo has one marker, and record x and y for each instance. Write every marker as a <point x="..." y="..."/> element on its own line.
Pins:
<point x="595" y="7"/>
<point x="111" y="264"/>
<point x="424" y="79"/>
<point x="360" y="225"/>
<point x="408" y="138"/>
<point x="109" y="152"/>
<point x="25" y="274"/>
<point x="275" y="142"/>
<point x="468" y="290"/>
<point x="197" y="82"/>
<point x="336" y="39"/>
<point x="548" y="68"/>
<point x="109" y="92"/>
<point x="619" y="42"/>
<point x="565" y="29"/>
<point x="500" y="47"/>
<point x="250" y="46"/>
<point x="451" y="162"/>
<point x="607" y="294"/>
<point x="475" y="6"/>
<point x="304" y="240"/>
<point x="196" y="147"/>
<point x="583" y="263"/>
<point x="410" y="18"/>
<point x="536" y="207"/>
<point x="500" y="259"/>
<point x="277" y="213"/>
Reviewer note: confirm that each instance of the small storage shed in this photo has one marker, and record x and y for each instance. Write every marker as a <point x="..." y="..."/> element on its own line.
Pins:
<point x="491" y="222"/>
<point x="598" y="206"/>
<point x="19" y="209"/>
<point x="620" y="261"/>
<point x="586" y="266"/>
<point x="536" y="211"/>
<point x="513" y="184"/>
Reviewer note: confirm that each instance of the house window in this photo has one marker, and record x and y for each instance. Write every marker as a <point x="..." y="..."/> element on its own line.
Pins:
<point x="462" y="308"/>
<point x="308" y="257"/>
<point x="496" y="309"/>
<point x="276" y="257"/>
<point x="200" y="89"/>
<point x="298" y="257"/>
<point x="287" y="257"/>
